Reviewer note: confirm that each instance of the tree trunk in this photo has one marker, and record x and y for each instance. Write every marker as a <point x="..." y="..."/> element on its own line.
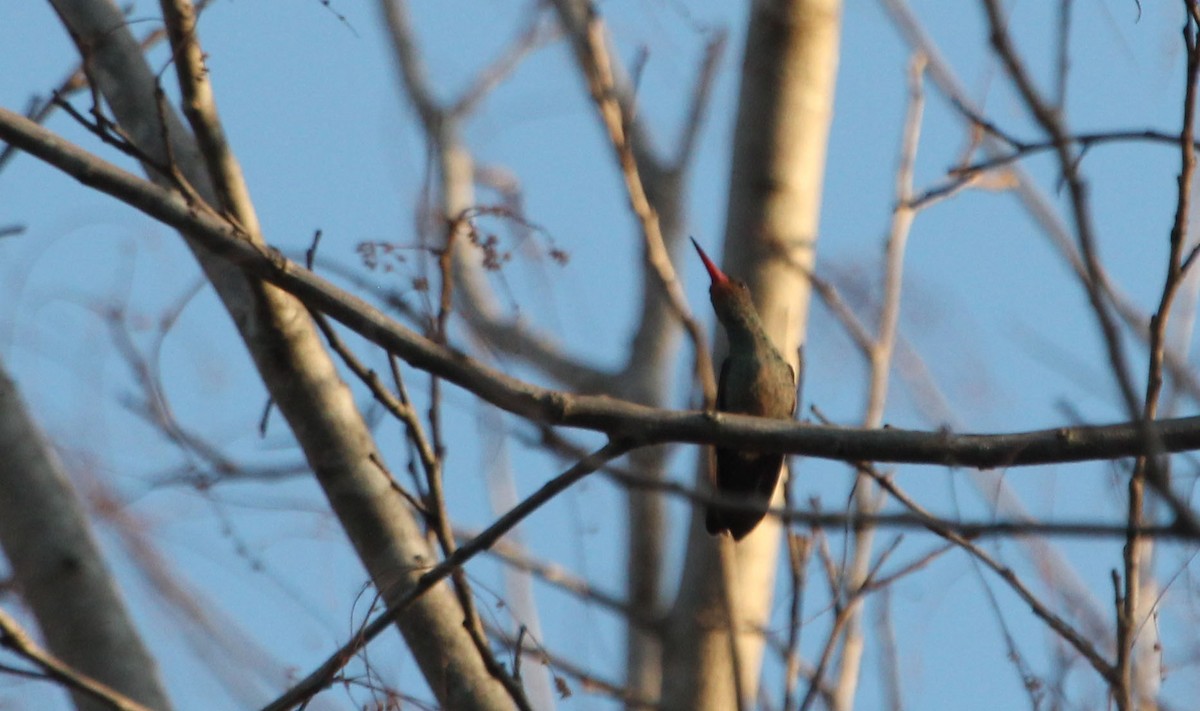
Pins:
<point x="784" y="112"/>
<point x="58" y="566"/>
<point x="302" y="382"/>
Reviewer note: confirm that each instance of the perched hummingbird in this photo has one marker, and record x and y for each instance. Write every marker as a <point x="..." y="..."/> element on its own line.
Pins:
<point x="755" y="380"/>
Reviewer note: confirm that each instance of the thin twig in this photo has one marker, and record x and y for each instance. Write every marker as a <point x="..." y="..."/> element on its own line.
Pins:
<point x="1029" y="682"/>
<point x="434" y="508"/>
<point x="558" y="577"/>
<point x="200" y="108"/>
<point x="889" y="670"/>
<point x="1060" y="626"/>
<point x="597" y="68"/>
<point x="40" y="109"/>
<point x="14" y="638"/>
<point x="323" y="675"/>
<point x="1033" y="199"/>
<point x="588" y="682"/>
<point x="534" y="35"/>
<point x="841" y="310"/>
<point x="1084" y="141"/>
<point x="440" y="518"/>
<point x="701" y="93"/>
<point x="1130" y="614"/>
<point x="1068" y="164"/>
<point x="843" y="611"/>
<point x="1064" y="53"/>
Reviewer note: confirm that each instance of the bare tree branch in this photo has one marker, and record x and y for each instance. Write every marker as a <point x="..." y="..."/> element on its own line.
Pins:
<point x="533" y="36"/>
<point x="615" y="417"/>
<point x="14" y="638"/>
<point x="597" y="68"/>
<point x="200" y="108"/>
<point x="1133" y="612"/>
<point x="589" y="682"/>
<point x="58" y="564"/>
<point x="323" y="675"/>
<point x="1068" y="163"/>
<point x="1084" y="646"/>
<point x="1034" y="201"/>
<point x="866" y="496"/>
<point x="298" y="373"/>
<point x="656" y="195"/>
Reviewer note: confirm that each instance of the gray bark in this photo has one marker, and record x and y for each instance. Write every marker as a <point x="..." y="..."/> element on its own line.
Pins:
<point x="784" y="111"/>
<point x="59" y="568"/>
<point x="302" y="381"/>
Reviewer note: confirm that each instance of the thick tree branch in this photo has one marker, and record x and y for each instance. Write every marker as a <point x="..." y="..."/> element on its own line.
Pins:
<point x="656" y="195"/>
<point x="614" y="417"/>
<point x="200" y="108"/>
<point x="14" y="638"/>
<point x="323" y="675"/>
<point x="59" y="567"/>
<point x="287" y="353"/>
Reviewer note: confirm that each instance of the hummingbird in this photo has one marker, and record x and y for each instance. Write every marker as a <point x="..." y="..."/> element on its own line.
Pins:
<point x="755" y="380"/>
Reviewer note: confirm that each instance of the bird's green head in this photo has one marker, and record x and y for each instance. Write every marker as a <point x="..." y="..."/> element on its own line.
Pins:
<point x="730" y="297"/>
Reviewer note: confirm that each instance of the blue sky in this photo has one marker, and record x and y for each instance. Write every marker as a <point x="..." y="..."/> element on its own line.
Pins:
<point x="327" y="142"/>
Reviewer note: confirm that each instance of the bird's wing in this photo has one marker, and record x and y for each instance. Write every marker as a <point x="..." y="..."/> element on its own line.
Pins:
<point x="721" y="392"/>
